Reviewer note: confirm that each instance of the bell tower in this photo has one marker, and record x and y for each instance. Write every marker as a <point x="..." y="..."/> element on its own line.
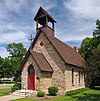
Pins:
<point x="45" y="22"/>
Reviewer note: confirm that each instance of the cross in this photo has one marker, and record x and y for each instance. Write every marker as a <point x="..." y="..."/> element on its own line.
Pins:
<point x="31" y="39"/>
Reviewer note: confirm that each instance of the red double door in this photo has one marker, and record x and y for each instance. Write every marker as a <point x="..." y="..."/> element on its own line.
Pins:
<point x="31" y="79"/>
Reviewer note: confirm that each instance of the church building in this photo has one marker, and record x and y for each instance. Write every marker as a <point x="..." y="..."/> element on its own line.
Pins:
<point x="49" y="61"/>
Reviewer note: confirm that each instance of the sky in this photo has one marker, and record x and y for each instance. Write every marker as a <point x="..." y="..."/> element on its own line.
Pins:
<point x="75" y="20"/>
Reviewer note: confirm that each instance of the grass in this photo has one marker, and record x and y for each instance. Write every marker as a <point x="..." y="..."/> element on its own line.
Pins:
<point x="5" y="91"/>
<point x="88" y="95"/>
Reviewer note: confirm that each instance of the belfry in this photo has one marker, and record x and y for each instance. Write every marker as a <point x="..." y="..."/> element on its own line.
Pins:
<point x="49" y="61"/>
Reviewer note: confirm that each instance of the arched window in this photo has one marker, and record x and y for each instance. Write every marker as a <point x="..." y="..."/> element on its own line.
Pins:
<point x="50" y="24"/>
<point x="79" y="76"/>
<point x="72" y="76"/>
<point x="31" y="70"/>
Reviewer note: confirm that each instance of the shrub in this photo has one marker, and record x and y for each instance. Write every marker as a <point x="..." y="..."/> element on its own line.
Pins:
<point x="92" y="86"/>
<point x="40" y="94"/>
<point x="73" y="92"/>
<point x="52" y="90"/>
<point x="15" y="87"/>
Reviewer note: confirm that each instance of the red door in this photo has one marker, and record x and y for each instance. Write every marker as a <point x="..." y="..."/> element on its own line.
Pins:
<point x="31" y="78"/>
<point x="31" y="85"/>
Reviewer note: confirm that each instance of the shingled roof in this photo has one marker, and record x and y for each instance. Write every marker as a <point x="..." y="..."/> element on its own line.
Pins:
<point x="69" y="55"/>
<point x="45" y="12"/>
<point x="41" y="61"/>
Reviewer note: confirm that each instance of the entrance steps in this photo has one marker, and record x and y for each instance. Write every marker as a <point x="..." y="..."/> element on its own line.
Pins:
<point x="25" y="93"/>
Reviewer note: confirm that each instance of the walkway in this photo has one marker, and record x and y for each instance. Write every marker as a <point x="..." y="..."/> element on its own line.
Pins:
<point x="9" y="97"/>
<point x="6" y="85"/>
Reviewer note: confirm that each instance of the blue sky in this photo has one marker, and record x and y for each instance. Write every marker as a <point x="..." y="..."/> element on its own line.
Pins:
<point x="75" y="20"/>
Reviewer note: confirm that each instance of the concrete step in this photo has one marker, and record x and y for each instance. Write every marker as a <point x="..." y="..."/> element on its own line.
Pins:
<point x="21" y="95"/>
<point x="25" y="93"/>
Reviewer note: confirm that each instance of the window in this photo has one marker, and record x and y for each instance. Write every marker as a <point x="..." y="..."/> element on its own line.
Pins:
<point x="50" y="24"/>
<point x="72" y="76"/>
<point x="31" y="70"/>
<point x="79" y="76"/>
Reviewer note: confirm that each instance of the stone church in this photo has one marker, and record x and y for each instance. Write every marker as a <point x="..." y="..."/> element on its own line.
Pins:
<point x="49" y="61"/>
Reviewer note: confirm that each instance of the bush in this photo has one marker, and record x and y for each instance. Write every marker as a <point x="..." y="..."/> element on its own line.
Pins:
<point x="17" y="86"/>
<point x="52" y="90"/>
<point x="92" y="86"/>
<point x="73" y="92"/>
<point x="40" y="94"/>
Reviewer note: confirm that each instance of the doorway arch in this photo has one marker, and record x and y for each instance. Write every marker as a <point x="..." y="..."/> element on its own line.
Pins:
<point x="31" y="78"/>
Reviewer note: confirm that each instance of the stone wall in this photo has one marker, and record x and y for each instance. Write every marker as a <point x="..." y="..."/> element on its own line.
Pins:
<point x="42" y="79"/>
<point x="45" y="80"/>
<point x="24" y="75"/>
<point x="62" y="75"/>
<point x="68" y="78"/>
<point x="54" y="60"/>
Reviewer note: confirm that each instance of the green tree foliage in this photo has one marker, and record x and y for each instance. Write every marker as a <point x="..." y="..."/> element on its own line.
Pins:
<point x="89" y="45"/>
<point x="90" y="50"/>
<point x="16" y="50"/>
<point x="1" y="66"/>
<point x="10" y="66"/>
<point x="85" y="49"/>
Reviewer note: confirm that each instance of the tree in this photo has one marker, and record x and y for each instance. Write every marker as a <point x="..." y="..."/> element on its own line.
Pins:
<point x="96" y="32"/>
<point x="89" y="45"/>
<point x="1" y="65"/>
<point x="86" y="50"/>
<point x="90" y="50"/>
<point x="5" y="68"/>
<point x="9" y="67"/>
<point x="94" y="64"/>
<point x="16" y="50"/>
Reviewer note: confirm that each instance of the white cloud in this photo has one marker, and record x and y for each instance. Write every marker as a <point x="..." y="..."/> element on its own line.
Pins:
<point x="14" y="26"/>
<point x="17" y="37"/>
<point x="3" y="52"/>
<point x="65" y="35"/>
<point x="80" y="19"/>
<point x="15" y="6"/>
<point x="13" y="11"/>
<point x="3" y="11"/>
<point x="86" y="9"/>
<point x="19" y="5"/>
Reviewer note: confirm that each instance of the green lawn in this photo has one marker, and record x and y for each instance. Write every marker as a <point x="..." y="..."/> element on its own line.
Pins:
<point x="5" y="91"/>
<point x="88" y="95"/>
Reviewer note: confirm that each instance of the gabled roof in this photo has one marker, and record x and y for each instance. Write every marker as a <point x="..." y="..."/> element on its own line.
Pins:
<point x="45" y="12"/>
<point x="39" y="59"/>
<point x="69" y="55"/>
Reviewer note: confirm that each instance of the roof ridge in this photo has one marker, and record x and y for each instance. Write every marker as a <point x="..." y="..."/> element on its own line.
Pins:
<point x="61" y="42"/>
<point x="77" y="59"/>
<point x="37" y="56"/>
<point x="47" y="61"/>
<point x="45" y="12"/>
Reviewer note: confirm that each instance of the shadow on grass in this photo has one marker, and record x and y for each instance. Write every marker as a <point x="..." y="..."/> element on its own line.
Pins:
<point x="88" y="97"/>
<point x="97" y="88"/>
